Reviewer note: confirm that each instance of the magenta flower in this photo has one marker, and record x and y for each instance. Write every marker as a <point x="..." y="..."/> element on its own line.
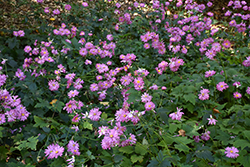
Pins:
<point x="85" y="4"/>
<point x="196" y="139"/>
<point x="53" y="151"/>
<point x="2" y="118"/>
<point x="248" y="90"/>
<point x="73" y="93"/>
<point x="204" y="94"/>
<point x="94" y="114"/>
<point x="237" y="95"/>
<point x="70" y="106"/>
<point x="205" y="136"/>
<point x="221" y="86"/>
<point x="94" y="87"/>
<point x="211" y="120"/>
<point x="27" y="49"/>
<point x="149" y="106"/>
<point x="56" y="11"/>
<point x="20" y="74"/>
<point x="53" y="85"/>
<point x="2" y="79"/>
<point x="236" y="84"/>
<point x="21" y="33"/>
<point x="146" y="98"/>
<point x="67" y="7"/>
<point x="176" y="115"/>
<point x="231" y="152"/>
<point x="73" y="147"/>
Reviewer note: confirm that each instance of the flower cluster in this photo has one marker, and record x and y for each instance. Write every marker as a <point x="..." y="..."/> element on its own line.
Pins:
<point x="73" y="147"/>
<point x="54" y="151"/>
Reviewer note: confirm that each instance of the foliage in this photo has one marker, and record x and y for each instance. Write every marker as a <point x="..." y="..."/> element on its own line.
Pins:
<point x="133" y="88"/>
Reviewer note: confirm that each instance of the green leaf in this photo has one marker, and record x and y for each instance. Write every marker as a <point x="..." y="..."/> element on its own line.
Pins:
<point x="59" y="106"/>
<point x="144" y="142"/>
<point x="39" y="122"/>
<point x="57" y="162"/>
<point x="3" y="153"/>
<point x="163" y="113"/>
<point x="1" y="134"/>
<point x="241" y="143"/>
<point x="183" y="140"/>
<point x="189" y="89"/>
<point x="134" y="96"/>
<point x="42" y="104"/>
<point x="135" y="158"/>
<point x="182" y="147"/>
<point x="32" y="142"/>
<point x="153" y="163"/>
<point x="68" y="45"/>
<point x="244" y="158"/>
<point x="205" y="154"/>
<point x="87" y="125"/>
<point x="141" y="149"/>
<point x="165" y="163"/>
<point x="223" y="137"/>
<point x="231" y="72"/>
<point x="29" y="143"/>
<point x="173" y="128"/>
<point x="127" y="149"/>
<point x="126" y="162"/>
<point x="247" y="134"/>
<point x="168" y="139"/>
<point x="190" y="98"/>
<point x="75" y="43"/>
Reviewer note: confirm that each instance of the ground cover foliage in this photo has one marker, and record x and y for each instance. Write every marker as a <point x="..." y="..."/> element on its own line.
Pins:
<point x="149" y="84"/>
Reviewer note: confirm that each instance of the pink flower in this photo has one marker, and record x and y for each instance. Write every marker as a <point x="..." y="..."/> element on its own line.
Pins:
<point x="109" y="37"/>
<point x="2" y="79"/>
<point x="94" y="114"/>
<point x="211" y="120"/>
<point x="146" y="98"/>
<point x="154" y="87"/>
<point x="46" y="10"/>
<point x="231" y="152"/>
<point x="70" y="106"/>
<point x="205" y="136"/>
<point x="56" y="11"/>
<point x="226" y="44"/>
<point x="204" y="94"/>
<point x="149" y="106"/>
<point x="21" y="33"/>
<point x="236" y="84"/>
<point x="196" y="139"/>
<point x="237" y="95"/>
<point x="20" y="74"/>
<point x="73" y="147"/>
<point x="248" y="90"/>
<point x="2" y="118"/>
<point x="67" y="7"/>
<point x="146" y="46"/>
<point x="76" y="118"/>
<point x="53" y="151"/>
<point x="27" y="49"/>
<point x="209" y="73"/>
<point x="176" y="115"/>
<point x="85" y="4"/>
<point x="73" y="93"/>
<point x="221" y="86"/>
